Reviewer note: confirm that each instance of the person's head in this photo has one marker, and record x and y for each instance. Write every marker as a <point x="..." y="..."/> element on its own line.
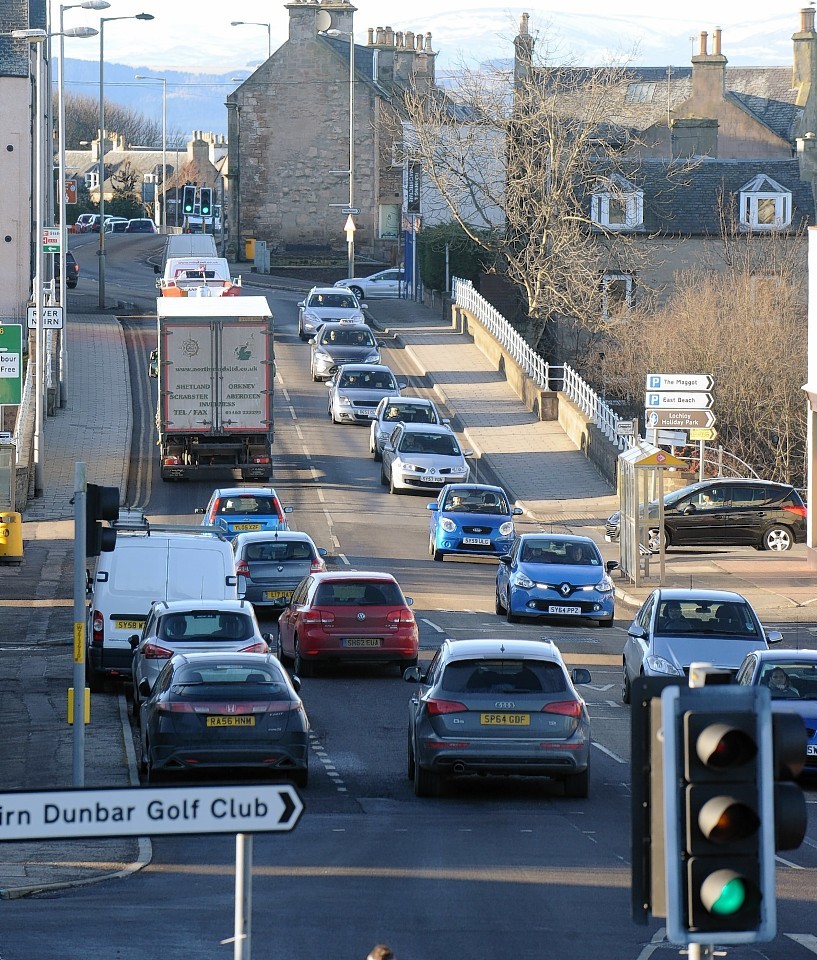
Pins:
<point x="779" y="679"/>
<point x="672" y="610"/>
<point x="574" y="553"/>
<point x="455" y="501"/>
<point x="380" y="952"/>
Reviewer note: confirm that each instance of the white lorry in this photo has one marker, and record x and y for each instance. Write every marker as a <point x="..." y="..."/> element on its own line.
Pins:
<point x="215" y="365"/>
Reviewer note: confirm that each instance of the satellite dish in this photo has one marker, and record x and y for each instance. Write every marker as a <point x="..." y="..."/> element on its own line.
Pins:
<point x="323" y="20"/>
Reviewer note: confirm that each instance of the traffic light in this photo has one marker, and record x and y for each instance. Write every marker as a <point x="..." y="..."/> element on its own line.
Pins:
<point x="206" y="195"/>
<point x="189" y="198"/>
<point x="719" y="816"/>
<point x="789" y="741"/>
<point x="101" y="503"/>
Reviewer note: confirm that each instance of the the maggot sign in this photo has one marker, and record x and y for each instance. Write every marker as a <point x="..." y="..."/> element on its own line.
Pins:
<point x="146" y="811"/>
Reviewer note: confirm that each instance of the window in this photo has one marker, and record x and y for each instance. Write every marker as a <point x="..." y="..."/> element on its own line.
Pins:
<point x="617" y="294"/>
<point x="764" y="205"/>
<point x="617" y="204"/>
<point x="92" y="179"/>
<point x="640" y="92"/>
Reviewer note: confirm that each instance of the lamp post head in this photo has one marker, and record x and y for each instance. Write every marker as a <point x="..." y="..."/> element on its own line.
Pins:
<point x="33" y="36"/>
<point x="79" y="32"/>
<point x="94" y="5"/>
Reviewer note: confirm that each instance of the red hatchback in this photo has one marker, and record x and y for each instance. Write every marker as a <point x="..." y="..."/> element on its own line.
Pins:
<point x="347" y="616"/>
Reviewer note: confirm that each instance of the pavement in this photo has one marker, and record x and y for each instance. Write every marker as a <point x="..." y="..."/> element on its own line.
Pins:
<point x="533" y="460"/>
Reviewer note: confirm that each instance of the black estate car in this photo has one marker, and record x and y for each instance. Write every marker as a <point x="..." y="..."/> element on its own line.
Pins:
<point x="727" y="512"/>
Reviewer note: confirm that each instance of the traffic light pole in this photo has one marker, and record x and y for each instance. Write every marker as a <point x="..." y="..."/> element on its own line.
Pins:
<point x="78" y="762"/>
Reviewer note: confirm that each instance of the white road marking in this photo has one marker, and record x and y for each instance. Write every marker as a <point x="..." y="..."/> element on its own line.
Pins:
<point x="788" y="863"/>
<point x="432" y="625"/>
<point x="299" y="433"/>
<point x="329" y="767"/>
<point x="601" y="689"/>
<point x="807" y="940"/>
<point x="329" y="521"/>
<point x="607" y="752"/>
<point x="341" y="555"/>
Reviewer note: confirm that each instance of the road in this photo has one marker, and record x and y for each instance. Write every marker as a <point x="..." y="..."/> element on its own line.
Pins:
<point x="493" y="868"/>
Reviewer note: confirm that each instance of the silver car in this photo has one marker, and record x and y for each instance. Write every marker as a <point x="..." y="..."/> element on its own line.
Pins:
<point x="384" y="283"/>
<point x="503" y="707"/>
<point x="421" y="456"/>
<point x="273" y="564"/>
<point x="338" y="343"/>
<point x="393" y="410"/>
<point x="677" y="627"/>
<point x="355" y="390"/>
<point x="185" y="626"/>
<point x="323" y="304"/>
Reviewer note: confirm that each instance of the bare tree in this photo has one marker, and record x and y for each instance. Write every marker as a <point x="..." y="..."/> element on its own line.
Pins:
<point x="745" y="325"/>
<point x="82" y="124"/>
<point x="516" y="160"/>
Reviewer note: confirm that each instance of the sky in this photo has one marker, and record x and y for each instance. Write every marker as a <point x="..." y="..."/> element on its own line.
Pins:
<point x="196" y="35"/>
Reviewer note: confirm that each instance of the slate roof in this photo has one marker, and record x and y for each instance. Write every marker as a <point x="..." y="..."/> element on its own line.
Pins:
<point x="765" y="92"/>
<point x="685" y="202"/>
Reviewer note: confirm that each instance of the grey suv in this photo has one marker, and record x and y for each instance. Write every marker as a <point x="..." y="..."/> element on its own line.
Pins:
<point x="727" y="512"/>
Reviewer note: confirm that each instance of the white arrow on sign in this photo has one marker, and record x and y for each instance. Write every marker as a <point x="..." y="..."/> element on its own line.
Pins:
<point x="679" y="381"/>
<point x="137" y="812"/>
<point x="667" y="400"/>
<point x="678" y="419"/>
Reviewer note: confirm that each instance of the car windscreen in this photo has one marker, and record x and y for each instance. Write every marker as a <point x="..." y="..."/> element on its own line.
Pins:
<point x="359" y="593"/>
<point x="367" y="381"/>
<point x="345" y="301"/>
<point x="226" y="676"/>
<point x="792" y="679"/>
<point x="277" y="551"/>
<point x="475" y="501"/>
<point x="205" y="625"/>
<point x="435" y="444"/>
<point x="546" y="550"/>
<point x="507" y="675"/>
<point x="701" y="618"/>
<point x="409" y="413"/>
<point x="243" y="506"/>
<point x="347" y="337"/>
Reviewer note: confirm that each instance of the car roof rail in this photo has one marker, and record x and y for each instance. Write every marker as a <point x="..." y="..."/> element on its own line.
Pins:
<point x="147" y="528"/>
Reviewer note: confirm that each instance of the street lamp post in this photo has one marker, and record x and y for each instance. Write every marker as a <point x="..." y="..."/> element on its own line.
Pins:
<point x="254" y="23"/>
<point x="101" y="254"/>
<point x="163" y="82"/>
<point x="350" y="224"/>
<point x="88" y="32"/>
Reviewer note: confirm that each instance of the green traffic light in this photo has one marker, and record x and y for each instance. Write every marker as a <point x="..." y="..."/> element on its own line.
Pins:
<point x="724" y="893"/>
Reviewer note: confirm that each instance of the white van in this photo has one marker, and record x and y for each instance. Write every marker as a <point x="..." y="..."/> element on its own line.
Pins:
<point x="187" y="245"/>
<point x="198" y="276"/>
<point x="149" y="564"/>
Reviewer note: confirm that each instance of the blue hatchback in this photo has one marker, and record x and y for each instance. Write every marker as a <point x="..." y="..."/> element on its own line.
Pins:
<point x="471" y="518"/>
<point x="241" y="509"/>
<point x="555" y="575"/>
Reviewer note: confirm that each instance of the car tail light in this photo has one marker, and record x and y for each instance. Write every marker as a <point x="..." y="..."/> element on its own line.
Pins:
<point x="279" y="510"/>
<point x="152" y="651"/>
<point x="796" y="509"/>
<point x="259" y="647"/>
<point x="232" y="291"/>
<point x="260" y="459"/>
<point x="438" y="707"/>
<point x="567" y="708"/>
<point x="394" y="618"/>
<point x="98" y="628"/>
<point x="236" y="709"/>
<point x="171" y="461"/>
<point x="317" y="566"/>
<point x="242" y="568"/>
<point x="324" y="617"/>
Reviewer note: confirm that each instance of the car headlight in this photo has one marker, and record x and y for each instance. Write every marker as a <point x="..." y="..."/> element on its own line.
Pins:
<point x="448" y="525"/>
<point x="311" y="317"/>
<point x="343" y="400"/>
<point x="660" y="665"/>
<point x="605" y="585"/>
<point x="520" y="580"/>
<point x="506" y="529"/>
<point x="322" y="355"/>
<point x="373" y="357"/>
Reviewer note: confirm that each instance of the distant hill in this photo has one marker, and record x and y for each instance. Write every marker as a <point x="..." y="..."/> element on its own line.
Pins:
<point x="195" y="101"/>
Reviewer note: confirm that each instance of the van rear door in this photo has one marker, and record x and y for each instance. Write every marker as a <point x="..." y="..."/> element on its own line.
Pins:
<point x="201" y="568"/>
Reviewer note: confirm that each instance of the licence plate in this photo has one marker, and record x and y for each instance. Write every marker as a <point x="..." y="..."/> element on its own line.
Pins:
<point x="505" y="719"/>
<point x="362" y="642"/>
<point x="246" y="526"/>
<point x="811" y="750"/>
<point x="564" y="611"/>
<point x="277" y="594"/>
<point x="434" y="479"/>
<point x="129" y="624"/>
<point x="217" y="721"/>
<point x="477" y="541"/>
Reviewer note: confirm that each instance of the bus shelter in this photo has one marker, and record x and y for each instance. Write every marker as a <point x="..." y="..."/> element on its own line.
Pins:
<point x="641" y="471"/>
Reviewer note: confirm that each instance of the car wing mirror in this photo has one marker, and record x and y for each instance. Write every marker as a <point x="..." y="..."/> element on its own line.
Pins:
<point x="432" y="506"/>
<point x="506" y="559"/>
<point x="517" y="512"/>
<point x="637" y="631"/>
<point x="445" y="420"/>
<point x="313" y="339"/>
<point x="322" y="552"/>
<point x="773" y="636"/>
<point x="157" y="268"/>
<point x="410" y="601"/>
<point x="611" y="565"/>
<point x="295" y="680"/>
<point x="401" y="384"/>
<point x="144" y="687"/>
<point x="240" y="585"/>
<point x="133" y="640"/>
<point x="413" y="674"/>
<point x="580" y="675"/>
<point x="468" y="453"/>
<point x="302" y="303"/>
<point x="688" y="509"/>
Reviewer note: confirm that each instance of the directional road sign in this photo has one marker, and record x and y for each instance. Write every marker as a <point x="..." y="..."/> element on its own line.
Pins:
<point x="353" y="210"/>
<point x="11" y="363"/>
<point x="146" y="811"/>
<point x="679" y="381"/>
<point x="670" y="400"/>
<point x="51" y="240"/>
<point x="52" y="318"/>
<point x="71" y="191"/>
<point x="678" y="419"/>
<point x="703" y="433"/>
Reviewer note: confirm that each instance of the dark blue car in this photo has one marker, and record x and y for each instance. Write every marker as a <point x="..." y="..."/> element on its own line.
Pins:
<point x="471" y="518"/>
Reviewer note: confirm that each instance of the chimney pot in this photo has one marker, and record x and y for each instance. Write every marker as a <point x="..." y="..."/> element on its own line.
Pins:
<point x="370" y="34"/>
<point x="716" y="42"/>
<point x="807" y="20"/>
<point x="703" y="43"/>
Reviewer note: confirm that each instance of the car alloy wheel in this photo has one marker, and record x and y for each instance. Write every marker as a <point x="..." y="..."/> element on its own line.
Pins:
<point x="510" y="616"/>
<point x="498" y="608"/>
<point x="357" y="291"/>
<point x="778" y="539"/>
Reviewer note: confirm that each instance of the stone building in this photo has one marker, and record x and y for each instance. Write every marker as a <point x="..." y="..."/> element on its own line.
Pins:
<point x="288" y="135"/>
